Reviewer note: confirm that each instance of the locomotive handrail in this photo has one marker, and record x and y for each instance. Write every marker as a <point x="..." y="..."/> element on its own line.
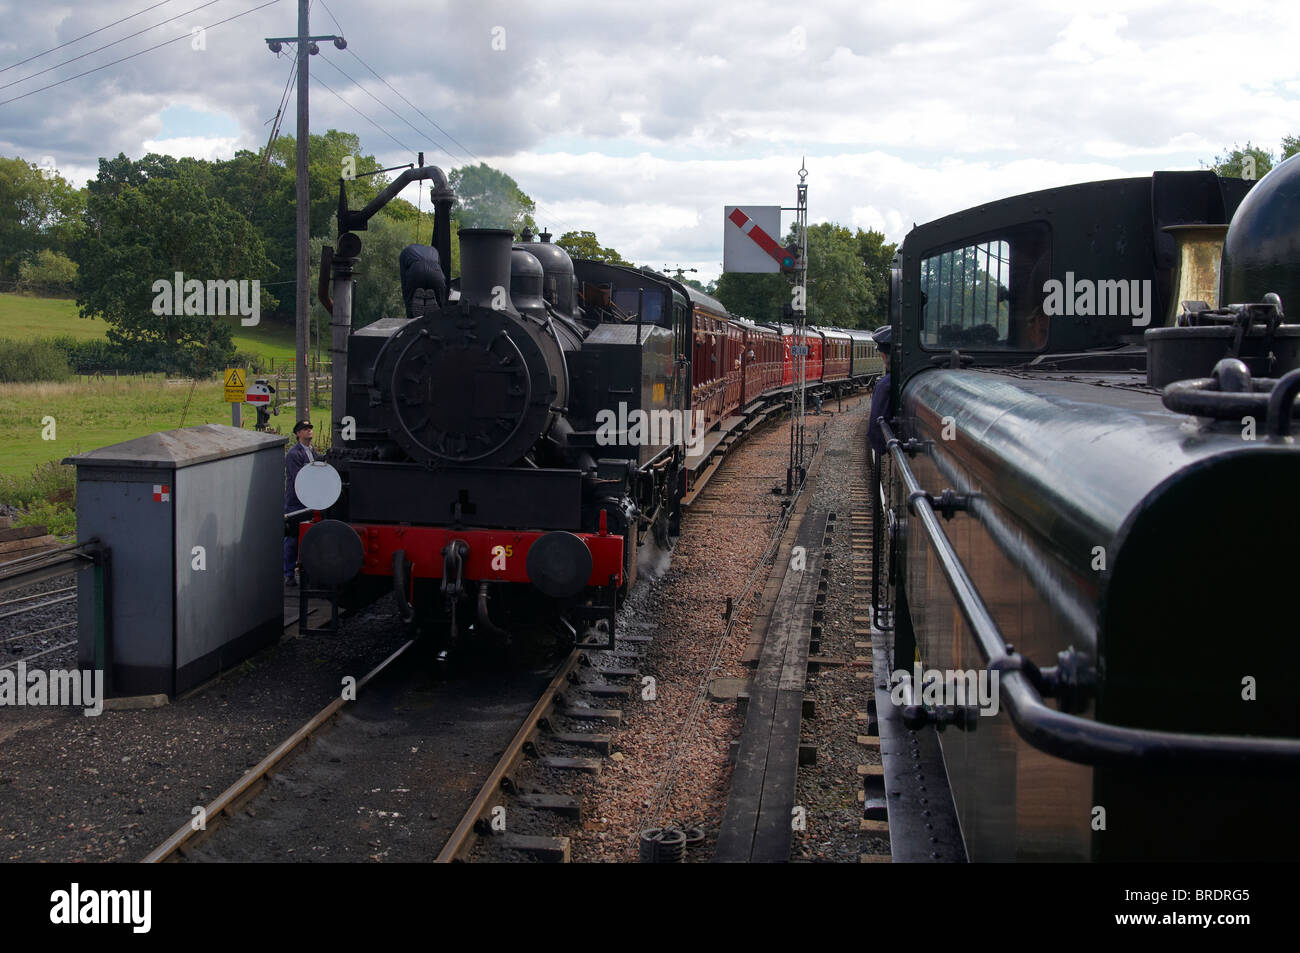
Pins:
<point x="1067" y="736"/>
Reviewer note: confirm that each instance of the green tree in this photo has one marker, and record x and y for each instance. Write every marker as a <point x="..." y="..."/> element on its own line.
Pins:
<point x="121" y="172"/>
<point x="756" y="296"/>
<point x="698" y="285"/>
<point x="377" y="292"/>
<point x="50" y="272"/>
<point x="1230" y="163"/>
<point x="267" y="193"/>
<point x="331" y="156"/>
<point x="840" y="293"/>
<point x="37" y="212"/>
<point x="876" y="255"/>
<point x="488" y="198"/>
<point x="584" y="244"/>
<point x="143" y="227"/>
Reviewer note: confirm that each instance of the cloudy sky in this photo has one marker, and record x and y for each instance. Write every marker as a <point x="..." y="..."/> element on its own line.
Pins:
<point x="641" y="120"/>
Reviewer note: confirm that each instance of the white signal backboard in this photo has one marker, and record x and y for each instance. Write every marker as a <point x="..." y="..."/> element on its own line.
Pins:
<point x="740" y="252"/>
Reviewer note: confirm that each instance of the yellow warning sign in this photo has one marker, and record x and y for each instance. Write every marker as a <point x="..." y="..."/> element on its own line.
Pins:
<point x="234" y="385"/>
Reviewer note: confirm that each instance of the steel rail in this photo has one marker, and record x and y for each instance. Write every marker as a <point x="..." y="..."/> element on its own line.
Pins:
<point x="37" y="595"/>
<point x="227" y="797"/>
<point x="32" y="635"/>
<point x="40" y="605"/>
<point x="466" y="833"/>
<point x="14" y="664"/>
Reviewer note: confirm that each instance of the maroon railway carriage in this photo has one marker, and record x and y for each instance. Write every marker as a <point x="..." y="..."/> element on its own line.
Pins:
<point x="761" y="360"/>
<point x="813" y="366"/>
<point x="836" y="353"/>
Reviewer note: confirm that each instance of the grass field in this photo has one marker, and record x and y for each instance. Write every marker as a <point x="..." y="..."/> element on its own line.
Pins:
<point x="88" y="414"/>
<point x="95" y="414"/>
<point x="23" y="317"/>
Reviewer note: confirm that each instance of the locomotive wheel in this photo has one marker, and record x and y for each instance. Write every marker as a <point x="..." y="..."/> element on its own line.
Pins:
<point x="663" y="537"/>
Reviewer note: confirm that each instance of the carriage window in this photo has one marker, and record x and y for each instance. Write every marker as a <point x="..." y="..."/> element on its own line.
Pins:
<point x="987" y="295"/>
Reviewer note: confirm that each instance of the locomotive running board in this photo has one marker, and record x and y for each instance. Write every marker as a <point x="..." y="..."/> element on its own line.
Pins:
<point x="923" y="825"/>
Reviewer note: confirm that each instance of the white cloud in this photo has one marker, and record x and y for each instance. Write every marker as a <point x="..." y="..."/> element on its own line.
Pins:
<point x="198" y="147"/>
<point x="640" y="121"/>
<point x="1089" y="37"/>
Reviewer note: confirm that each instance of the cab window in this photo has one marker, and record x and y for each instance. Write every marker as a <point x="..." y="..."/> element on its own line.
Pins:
<point x="987" y="294"/>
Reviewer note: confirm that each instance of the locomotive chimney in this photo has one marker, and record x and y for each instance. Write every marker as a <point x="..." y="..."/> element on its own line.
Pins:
<point x="485" y="267"/>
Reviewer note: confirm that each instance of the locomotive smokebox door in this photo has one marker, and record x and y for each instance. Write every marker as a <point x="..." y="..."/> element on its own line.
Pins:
<point x="559" y="564"/>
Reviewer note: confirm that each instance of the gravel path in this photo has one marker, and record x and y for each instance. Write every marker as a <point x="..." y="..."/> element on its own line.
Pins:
<point x="671" y="764"/>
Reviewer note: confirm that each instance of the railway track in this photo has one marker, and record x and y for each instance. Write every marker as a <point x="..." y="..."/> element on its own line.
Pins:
<point x="39" y="624"/>
<point x="504" y="790"/>
<point x="522" y="807"/>
<point x="256" y="778"/>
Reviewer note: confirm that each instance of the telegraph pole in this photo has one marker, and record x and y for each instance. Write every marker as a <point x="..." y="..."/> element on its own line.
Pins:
<point x="302" y="224"/>
<point x="306" y="46"/>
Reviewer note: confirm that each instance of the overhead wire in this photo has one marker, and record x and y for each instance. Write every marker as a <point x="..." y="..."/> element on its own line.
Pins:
<point x="471" y="156"/>
<point x="129" y="36"/>
<point x="332" y="16"/>
<point x="77" y="39"/>
<point x="461" y="145"/>
<point x="331" y="90"/>
<point x="386" y="106"/>
<point x="538" y="207"/>
<point x="183" y="36"/>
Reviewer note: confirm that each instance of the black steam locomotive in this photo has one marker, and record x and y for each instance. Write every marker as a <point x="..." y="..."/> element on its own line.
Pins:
<point x="1087" y="508"/>
<point x="501" y="402"/>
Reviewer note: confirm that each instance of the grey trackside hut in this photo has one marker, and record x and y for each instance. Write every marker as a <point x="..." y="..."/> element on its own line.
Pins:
<point x="192" y="518"/>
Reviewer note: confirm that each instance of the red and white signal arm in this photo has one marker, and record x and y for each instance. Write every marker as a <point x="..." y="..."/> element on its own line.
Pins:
<point x="259" y="392"/>
<point x="749" y="238"/>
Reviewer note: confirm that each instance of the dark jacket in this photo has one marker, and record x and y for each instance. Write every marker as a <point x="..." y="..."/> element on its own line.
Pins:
<point x="297" y="458"/>
<point x="881" y="406"/>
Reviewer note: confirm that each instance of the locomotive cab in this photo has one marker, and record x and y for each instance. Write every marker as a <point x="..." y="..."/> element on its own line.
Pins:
<point x="1042" y="508"/>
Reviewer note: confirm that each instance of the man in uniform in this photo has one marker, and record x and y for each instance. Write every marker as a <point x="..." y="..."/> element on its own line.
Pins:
<point x="299" y="455"/>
